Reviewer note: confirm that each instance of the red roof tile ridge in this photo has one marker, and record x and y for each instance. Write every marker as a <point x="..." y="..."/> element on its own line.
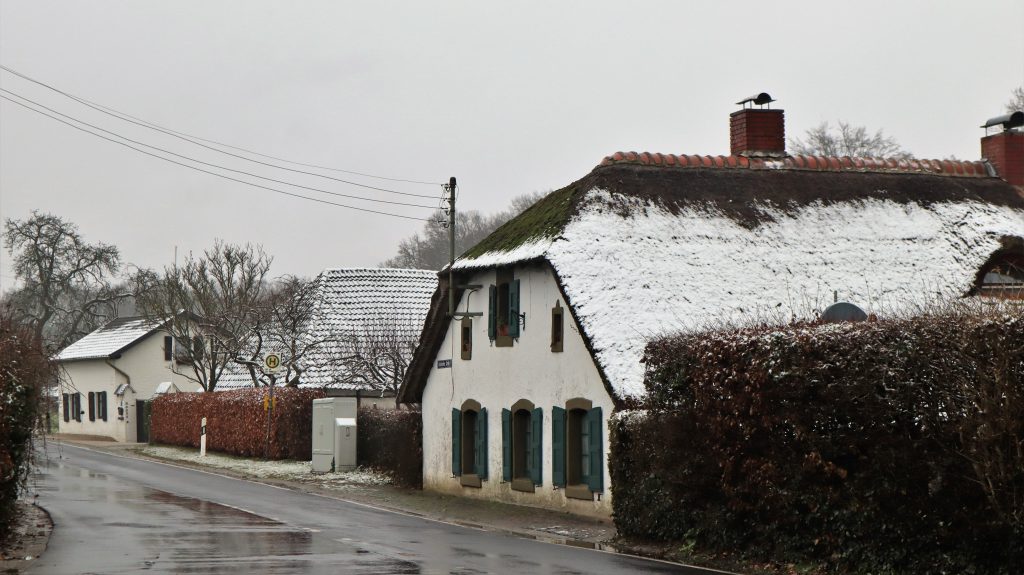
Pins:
<point x="960" y="168"/>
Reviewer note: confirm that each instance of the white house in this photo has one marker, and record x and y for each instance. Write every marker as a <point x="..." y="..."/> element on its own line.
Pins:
<point x="108" y="377"/>
<point x="362" y="330"/>
<point x="515" y="399"/>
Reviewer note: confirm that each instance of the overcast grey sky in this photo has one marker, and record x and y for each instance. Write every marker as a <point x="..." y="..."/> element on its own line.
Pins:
<point x="509" y="97"/>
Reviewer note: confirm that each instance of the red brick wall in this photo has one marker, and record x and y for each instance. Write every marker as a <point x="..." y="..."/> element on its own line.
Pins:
<point x="1005" y="151"/>
<point x="757" y="130"/>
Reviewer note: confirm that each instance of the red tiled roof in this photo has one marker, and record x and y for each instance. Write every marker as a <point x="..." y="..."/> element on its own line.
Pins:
<point x="812" y="163"/>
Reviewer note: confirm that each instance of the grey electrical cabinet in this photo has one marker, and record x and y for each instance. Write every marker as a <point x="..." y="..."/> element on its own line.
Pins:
<point x="326" y="413"/>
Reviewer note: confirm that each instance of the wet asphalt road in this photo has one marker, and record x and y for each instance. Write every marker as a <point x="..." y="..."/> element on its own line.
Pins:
<point x="121" y="515"/>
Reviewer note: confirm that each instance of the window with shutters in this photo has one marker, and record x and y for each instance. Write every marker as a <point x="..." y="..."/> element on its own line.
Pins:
<point x="469" y="443"/>
<point x="503" y="309"/>
<point x="92" y="406"/>
<point x="76" y="407"/>
<point x="577" y="448"/>
<point x="522" y="446"/>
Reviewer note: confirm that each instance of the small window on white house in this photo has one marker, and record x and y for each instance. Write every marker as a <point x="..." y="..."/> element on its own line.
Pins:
<point x="168" y="348"/>
<point x="92" y="406"/>
<point x="467" y="338"/>
<point x="557" y="326"/>
<point x="67" y="407"/>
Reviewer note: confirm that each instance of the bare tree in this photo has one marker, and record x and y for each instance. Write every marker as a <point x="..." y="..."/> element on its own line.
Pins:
<point x="211" y="304"/>
<point x="66" y="287"/>
<point x="847" y="140"/>
<point x="287" y="325"/>
<point x="377" y="353"/>
<point x="1016" y="102"/>
<point x="428" y="249"/>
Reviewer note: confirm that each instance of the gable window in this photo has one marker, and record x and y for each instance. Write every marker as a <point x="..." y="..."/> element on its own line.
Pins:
<point x="467" y="338"/>
<point x="168" y="348"/>
<point x="469" y="443"/>
<point x="1004" y="279"/>
<point x="521" y="445"/>
<point x="557" y="325"/>
<point x="577" y="448"/>
<point x="503" y="309"/>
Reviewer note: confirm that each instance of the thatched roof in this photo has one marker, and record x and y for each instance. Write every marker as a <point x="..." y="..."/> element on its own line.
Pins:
<point x="647" y="244"/>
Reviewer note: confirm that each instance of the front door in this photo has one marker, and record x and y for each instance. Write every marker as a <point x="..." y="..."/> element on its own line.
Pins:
<point x="142" y="414"/>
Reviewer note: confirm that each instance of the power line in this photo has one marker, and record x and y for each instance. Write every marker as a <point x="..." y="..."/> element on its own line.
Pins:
<point x="191" y="159"/>
<point x="196" y="140"/>
<point x="275" y="190"/>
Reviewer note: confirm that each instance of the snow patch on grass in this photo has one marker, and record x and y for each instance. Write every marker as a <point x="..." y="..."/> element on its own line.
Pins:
<point x="288" y="470"/>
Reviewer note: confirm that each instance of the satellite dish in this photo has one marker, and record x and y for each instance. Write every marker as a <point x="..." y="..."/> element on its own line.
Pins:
<point x="843" y="311"/>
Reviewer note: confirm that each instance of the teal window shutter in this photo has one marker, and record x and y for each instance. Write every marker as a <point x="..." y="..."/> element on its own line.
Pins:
<point x="536" y="446"/>
<point x="595" y="476"/>
<point x="558" y="446"/>
<point x="481" y="445"/>
<point x="513" y="308"/>
<point x="456" y="442"/>
<point x="506" y="445"/>
<point x="492" y="314"/>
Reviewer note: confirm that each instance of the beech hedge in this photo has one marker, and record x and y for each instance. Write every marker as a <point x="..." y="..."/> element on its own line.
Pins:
<point x="236" y="421"/>
<point x="391" y="441"/>
<point x="888" y="446"/>
<point x="26" y="369"/>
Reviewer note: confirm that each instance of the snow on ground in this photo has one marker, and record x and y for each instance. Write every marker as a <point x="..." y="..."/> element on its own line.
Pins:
<point x="300" y="471"/>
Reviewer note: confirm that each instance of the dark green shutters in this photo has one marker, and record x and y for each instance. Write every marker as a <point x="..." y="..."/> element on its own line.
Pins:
<point x="492" y="314"/>
<point x="92" y="406"/>
<point x="67" y="408"/>
<point x="506" y="445"/>
<point x="456" y="442"/>
<point x="536" y="453"/>
<point x="513" y="308"/>
<point x="481" y="444"/>
<point x="595" y="475"/>
<point x="558" y="446"/>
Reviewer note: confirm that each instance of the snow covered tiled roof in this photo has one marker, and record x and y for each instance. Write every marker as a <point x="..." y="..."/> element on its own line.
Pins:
<point x="648" y="244"/>
<point x="109" y="339"/>
<point x="360" y="301"/>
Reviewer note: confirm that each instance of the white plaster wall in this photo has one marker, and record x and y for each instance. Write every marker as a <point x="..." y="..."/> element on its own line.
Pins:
<point x="497" y="377"/>
<point x="91" y="375"/>
<point x="145" y="366"/>
<point x="144" y="363"/>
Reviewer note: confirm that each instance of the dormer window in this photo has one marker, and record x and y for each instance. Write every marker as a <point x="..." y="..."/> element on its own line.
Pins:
<point x="1005" y="278"/>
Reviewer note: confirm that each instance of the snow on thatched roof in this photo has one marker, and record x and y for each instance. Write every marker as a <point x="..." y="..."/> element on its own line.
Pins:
<point x="648" y="244"/>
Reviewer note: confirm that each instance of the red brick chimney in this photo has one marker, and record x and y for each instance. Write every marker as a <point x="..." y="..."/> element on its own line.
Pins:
<point x="757" y="131"/>
<point x="1005" y="150"/>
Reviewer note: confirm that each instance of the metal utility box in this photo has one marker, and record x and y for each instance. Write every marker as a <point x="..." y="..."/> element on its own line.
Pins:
<point x="345" y="444"/>
<point x="326" y="412"/>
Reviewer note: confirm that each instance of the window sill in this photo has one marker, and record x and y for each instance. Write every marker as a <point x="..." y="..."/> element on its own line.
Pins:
<point x="524" y="484"/>
<point x="470" y="480"/>
<point x="579" y="491"/>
